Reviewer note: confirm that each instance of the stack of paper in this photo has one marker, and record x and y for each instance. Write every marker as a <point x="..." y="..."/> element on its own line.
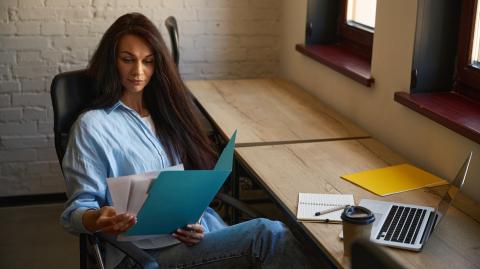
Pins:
<point x="128" y="193"/>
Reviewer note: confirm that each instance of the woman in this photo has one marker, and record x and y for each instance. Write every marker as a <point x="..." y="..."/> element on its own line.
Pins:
<point x="143" y="121"/>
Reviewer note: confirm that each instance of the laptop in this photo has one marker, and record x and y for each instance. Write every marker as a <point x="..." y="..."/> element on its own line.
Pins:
<point x="409" y="226"/>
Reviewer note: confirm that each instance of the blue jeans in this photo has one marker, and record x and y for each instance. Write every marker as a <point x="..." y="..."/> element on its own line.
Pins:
<point x="258" y="243"/>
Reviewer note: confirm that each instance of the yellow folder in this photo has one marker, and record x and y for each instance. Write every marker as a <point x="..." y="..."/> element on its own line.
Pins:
<point x="394" y="179"/>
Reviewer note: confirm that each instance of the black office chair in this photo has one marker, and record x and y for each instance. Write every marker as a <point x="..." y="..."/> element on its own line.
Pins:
<point x="71" y="92"/>
<point x="366" y="254"/>
<point x="172" y="27"/>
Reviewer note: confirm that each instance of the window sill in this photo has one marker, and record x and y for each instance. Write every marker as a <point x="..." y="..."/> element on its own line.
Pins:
<point x="449" y="109"/>
<point x="340" y="59"/>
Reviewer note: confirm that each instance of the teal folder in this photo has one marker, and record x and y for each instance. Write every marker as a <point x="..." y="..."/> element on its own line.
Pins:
<point x="178" y="198"/>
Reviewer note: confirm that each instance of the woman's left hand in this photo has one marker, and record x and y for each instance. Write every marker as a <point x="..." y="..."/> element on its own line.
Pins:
<point x="190" y="236"/>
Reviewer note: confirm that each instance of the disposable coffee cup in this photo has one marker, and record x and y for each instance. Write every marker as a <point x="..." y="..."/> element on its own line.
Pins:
<point x="357" y="224"/>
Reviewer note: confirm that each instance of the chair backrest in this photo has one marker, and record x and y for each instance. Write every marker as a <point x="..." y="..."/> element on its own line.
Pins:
<point x="71" y="92"/>
<point x="172" y="27"/>
<point x="366" y="254"/>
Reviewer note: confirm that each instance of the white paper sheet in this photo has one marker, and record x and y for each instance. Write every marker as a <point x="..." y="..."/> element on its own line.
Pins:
<point x="119" y="189"/>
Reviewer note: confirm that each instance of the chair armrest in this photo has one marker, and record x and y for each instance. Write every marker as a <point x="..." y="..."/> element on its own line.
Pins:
<point x="138" y="255"/>
<point x="239" y="205"/>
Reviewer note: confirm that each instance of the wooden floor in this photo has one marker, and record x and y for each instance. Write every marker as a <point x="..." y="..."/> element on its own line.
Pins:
<point x="31" y="237"/>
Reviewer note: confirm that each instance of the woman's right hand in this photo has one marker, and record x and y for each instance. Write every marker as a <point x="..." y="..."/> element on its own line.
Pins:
<point x="107" y="220"/>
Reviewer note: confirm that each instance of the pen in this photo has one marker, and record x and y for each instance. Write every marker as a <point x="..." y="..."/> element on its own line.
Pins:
<point x="330" y="210"/>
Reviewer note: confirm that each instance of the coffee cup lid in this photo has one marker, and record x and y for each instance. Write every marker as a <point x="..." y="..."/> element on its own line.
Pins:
<point x="358" y="215"/>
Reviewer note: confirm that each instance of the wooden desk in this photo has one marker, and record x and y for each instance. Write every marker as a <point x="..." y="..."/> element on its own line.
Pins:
<point x="269" y="111"/>
<point x="286" y="170"/>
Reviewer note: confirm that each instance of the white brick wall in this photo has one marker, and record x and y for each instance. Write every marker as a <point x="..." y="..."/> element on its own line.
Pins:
<point x="40" y="38"/>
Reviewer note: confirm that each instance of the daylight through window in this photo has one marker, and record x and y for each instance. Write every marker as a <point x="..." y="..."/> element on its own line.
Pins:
<point x="361" y="13"/>
<point x="476" y="40"/>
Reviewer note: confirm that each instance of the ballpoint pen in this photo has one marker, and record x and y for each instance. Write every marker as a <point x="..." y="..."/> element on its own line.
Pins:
<point x="330" y="210"/>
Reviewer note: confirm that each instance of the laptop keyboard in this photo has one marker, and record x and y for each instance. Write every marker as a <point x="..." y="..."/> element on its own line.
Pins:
<point x="402" y="224"/>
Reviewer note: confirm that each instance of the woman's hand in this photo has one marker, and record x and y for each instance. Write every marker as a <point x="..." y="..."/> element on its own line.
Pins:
<point x="108" y="221"/>
<point x="190" y="236"/>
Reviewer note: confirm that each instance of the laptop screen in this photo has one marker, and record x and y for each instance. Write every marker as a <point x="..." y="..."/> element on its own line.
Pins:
<point x="449" y="191"/>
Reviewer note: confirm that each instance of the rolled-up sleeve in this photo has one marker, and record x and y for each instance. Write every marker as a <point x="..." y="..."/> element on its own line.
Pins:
<point x="85" y="172"/>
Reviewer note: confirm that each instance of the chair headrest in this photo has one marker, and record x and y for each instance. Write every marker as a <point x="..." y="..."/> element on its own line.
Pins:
<point x="71" y="93"/>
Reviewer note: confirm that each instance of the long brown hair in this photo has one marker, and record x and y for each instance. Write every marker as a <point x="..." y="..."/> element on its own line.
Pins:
<point x="166" y="97"/>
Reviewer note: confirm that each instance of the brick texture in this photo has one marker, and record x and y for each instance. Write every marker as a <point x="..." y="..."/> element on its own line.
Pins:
<point x="219" y="39"/>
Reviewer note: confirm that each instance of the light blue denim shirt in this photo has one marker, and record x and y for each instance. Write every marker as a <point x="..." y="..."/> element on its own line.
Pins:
<point x="107" y="143"/>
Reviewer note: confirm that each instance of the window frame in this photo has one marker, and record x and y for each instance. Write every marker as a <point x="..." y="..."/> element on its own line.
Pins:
<point x="353" y="36"/>
<point x="442" y="69"/>
<point x="467" y="81"/>
<point x="324" y="44"/>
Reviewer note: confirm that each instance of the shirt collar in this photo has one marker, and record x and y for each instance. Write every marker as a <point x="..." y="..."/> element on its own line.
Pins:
<point x="108" y="110"/>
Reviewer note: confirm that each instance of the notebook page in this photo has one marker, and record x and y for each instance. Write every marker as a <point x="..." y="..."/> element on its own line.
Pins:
<point x="311" y="203"/>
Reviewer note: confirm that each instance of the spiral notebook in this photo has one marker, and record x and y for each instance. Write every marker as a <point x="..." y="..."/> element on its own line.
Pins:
<point x="311" y="203"/>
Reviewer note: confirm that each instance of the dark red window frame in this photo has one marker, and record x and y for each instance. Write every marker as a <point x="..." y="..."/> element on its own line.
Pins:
<point x="468" y="76"/>
<point x="350" y="50"/>
<point x="354" y="38"/>
<point x="458" y="109"/>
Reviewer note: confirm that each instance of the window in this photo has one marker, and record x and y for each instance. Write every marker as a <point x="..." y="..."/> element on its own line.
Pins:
<point x="361" y="14"/>
<point x="476" y="41"/>
<point x="339" y="34"/>
<point x="357" y="25"/>
<point x="446" y="72"/>
<point x="468" y="66"/>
